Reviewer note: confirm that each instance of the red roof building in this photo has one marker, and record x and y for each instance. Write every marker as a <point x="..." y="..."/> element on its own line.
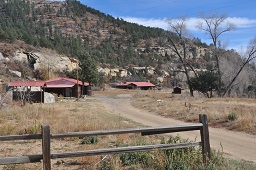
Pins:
<point x="66" y="87"/>
<point x="27" y="83"/>
<point x="32" y="90"/>
<point x="136" y="85"/>
<point x="64" y="82"/>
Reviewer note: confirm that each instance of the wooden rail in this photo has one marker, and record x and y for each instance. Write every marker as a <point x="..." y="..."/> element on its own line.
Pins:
<point x="46" y="141"/>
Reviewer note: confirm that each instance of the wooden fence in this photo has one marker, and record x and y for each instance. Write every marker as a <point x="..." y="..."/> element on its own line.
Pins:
<point x="46" y="137"/>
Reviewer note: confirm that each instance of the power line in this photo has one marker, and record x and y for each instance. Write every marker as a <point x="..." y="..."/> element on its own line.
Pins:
<point x="196" y="13"/>
<point x="154" y="7"/>
<point x="226" y="6"/>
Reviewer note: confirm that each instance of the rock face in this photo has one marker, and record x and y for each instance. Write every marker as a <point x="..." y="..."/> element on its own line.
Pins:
<point x="17" y="73"/>
<point x="54" y="62"/>
<point x="113" y="72"/>
<point x="44" y="58"/>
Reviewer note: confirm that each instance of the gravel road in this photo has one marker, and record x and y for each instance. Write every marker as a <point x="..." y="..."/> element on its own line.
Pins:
<point x="235" y="145"/>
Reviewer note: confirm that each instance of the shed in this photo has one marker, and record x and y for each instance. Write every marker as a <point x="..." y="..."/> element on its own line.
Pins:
<point x="177" y="90"/>
<point x="29" y="90"/>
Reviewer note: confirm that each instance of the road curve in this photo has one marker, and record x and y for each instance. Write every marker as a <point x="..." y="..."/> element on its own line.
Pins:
<point x="235" y="145"/>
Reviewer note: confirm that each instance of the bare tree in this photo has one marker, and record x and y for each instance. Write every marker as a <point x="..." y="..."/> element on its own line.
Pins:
<point x="180" y="45"/>
<point x="215" y="25"/>
<point x="23" y="92"/>
<point x="250" y="55"/>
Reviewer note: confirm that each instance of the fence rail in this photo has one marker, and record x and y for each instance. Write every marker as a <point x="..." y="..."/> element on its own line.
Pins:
<point x="46" y="141"/>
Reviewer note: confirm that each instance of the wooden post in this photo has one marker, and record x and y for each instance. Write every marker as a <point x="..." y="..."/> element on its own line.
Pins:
<point x="46" y="139"/>
<point x="204" y="131"/>
<point x="77" y="79"/>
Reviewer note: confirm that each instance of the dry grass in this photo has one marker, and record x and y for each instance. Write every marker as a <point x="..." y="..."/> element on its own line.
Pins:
<point x="183" y="107"/>
<point x="65" y="116"/>
<point x="89" y="114"/>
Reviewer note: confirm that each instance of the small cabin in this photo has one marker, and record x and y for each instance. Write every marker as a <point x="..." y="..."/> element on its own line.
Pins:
<point x="176" y="90"/>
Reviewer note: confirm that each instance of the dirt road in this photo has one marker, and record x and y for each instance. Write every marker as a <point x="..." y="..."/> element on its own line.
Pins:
<point x="234" y="144"/>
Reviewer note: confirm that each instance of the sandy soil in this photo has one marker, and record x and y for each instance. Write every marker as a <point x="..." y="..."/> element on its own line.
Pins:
<point x="233" y="144"/>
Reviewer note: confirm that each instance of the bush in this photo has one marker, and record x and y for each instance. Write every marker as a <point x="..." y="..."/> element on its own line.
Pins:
<point x="232" y="117"/>
<point x="133" y="158"/>
<point x="184" y="158"/>
<point x="90" y="140"/>
<point x="104" y="166"/>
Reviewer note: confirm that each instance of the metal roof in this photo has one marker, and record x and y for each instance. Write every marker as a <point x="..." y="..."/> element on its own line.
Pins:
<point x="58" y="86"/>
<point x="27" y="83"/>
<point x="142" y="84"/>
<point x="138" y="84"/>
<point x="59" y="82"/>
<point x="64" y="81"/>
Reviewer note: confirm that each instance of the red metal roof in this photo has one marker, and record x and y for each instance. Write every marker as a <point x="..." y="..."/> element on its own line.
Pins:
<point x="27" y="83"/>
<point x="59" y="86"/>
<point x="53" y="83"/>
<point x="142" y="84"/>
<point x="62" y="82"/>
<point x="138" y="84"/>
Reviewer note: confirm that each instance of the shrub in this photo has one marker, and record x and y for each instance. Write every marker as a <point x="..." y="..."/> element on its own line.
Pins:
<point x="232" y="116"/>
<point x="90" y="140"/>
<point x="133" y="158"/>
<point x="184" y="158"/>
<point x="104" y="166"/>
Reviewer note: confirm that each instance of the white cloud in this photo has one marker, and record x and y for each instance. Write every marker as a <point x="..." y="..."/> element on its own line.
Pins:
<point x="191" y="23"/>
<point x="242" y="22"/>
<point x="149" y="22"/>
<point x="237" y="38"/>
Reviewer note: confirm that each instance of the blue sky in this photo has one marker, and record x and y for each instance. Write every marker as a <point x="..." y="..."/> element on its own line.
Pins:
<point x="155" y="12"/>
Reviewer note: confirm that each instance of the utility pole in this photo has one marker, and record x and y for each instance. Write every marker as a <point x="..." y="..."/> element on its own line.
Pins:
<point x="76" y="61"/>
<point x="77" y="79"/>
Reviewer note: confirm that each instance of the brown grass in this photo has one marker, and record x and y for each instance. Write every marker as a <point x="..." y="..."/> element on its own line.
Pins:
<point x="65" y="116"/>
<point x="186" y="108"/>
<point x="89" y="114"/>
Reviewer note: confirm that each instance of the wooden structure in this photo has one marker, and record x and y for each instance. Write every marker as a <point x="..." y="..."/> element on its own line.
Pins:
<point x="46" y="142"/>
<point x="136" y="85"/>
<point x="66" y="87"/>
<point x="32" y="91"/>
<point x="176" y="90"/>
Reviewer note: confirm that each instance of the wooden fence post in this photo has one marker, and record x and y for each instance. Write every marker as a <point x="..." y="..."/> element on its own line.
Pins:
<point x="46" y="150"/>
<point x="204" y="131"/>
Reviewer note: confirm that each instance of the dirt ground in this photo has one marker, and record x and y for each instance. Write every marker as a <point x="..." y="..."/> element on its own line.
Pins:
<point x="235" y="145"/>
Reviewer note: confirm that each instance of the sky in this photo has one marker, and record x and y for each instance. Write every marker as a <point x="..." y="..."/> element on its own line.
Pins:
<point x="154" y="13"/>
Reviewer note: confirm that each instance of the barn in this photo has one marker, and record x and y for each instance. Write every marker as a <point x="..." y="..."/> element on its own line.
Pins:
<point x="136" y="85"/>
<point x="67" y="87"/>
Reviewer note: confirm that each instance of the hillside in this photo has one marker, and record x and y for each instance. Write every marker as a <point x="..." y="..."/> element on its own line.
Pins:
<point x="69" y="27"/>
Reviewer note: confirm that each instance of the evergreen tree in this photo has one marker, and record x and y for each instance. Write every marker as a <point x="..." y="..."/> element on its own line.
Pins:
<point x="88" y="69"/>
<point x="205" y="82"/>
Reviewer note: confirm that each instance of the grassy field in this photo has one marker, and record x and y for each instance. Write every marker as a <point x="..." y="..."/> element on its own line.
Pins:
<point x="64" y="116"/>
<point x="89" y="114"/>
<point x="230" y="113"/>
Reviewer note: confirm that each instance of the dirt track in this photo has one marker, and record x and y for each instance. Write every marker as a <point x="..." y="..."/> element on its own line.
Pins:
<point x="234" y="144"/>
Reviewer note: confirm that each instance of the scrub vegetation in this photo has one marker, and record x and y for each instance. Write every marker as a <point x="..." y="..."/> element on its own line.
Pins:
<point x="69" y="115"/>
